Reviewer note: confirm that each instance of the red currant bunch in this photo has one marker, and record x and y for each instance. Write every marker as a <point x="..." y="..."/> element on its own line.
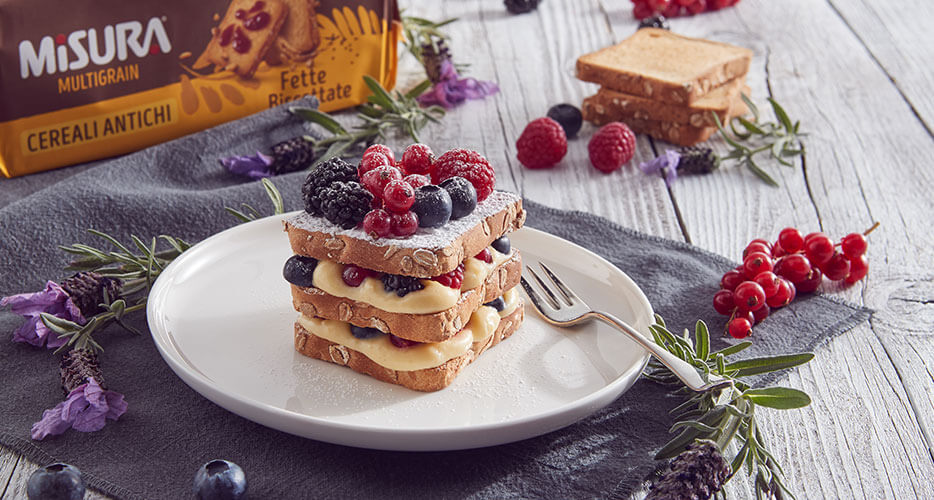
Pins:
<point x="643" y="9"/>
<point x="772" y="274"/>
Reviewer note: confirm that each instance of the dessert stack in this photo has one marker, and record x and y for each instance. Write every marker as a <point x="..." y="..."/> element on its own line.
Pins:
<point x="411" y="307"/>
<point x="666" y="85"/>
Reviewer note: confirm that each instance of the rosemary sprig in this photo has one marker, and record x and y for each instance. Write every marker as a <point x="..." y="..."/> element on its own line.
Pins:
<point x="136" y="271"/>
<point x="420" y="33"/>
<point x="383" y="112"/>
<point x="727" y="416"/>
<point x="780" y="138"/>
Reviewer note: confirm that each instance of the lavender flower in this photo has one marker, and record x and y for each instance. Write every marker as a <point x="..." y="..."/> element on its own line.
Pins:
<point x="255" y="167"/>
<point x="87" y="408"/>
<point x="666" y="163"/>
<point x="451" y="90"/>
<point x="53" y="300"/>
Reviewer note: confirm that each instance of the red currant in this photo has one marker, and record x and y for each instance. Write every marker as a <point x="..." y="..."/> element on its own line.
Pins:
<point x="417" y="180"/>
<point x="370" y="161"/>
<point x="739" y="328"/>
<point x="723" y="302"/>
<point x="748" y="296"/>
<point x="377" y="224"/>
<point x="354" y="275"/>
<point x="398" y="196"/>
<point x="837" y="267"/>
<point x="818" y="248"/>
<point x="761" y="313"/>
<point x="853" y="245"/>
<point x="769" y="282"/>
<point x="697" y="6"/>
<point x="761" y="241"/>
<point x="731" y="279"/>
<point x="791" y="240"/>
<point x="659" y="5"/>
<point x="641" y="11"/>
<point x="757" y="246"/>
<point x="485" y="256"/>
<point x="375" y="180"/>
<point x="401" y="342"/>
<point x="404" y="224"/>
<point x="785" y="294"/>
<point x="756" y="263"/>
<point x="673" y="10"/>
<point x="778" y="251"/>
<point x="384" y="149"/>
<point x="859" y="267"/>
<point x="810" y="283"/>
<point x="794" y="267"/>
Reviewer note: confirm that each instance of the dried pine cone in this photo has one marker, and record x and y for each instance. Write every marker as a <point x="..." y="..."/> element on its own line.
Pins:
<point x="77" y="366"/>
<point x="86" y="290"/>
<point x="697" y="473"/>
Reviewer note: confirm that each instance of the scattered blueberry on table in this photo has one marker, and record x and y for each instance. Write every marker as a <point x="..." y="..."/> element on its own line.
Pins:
<point x="220" y="480"/>
<point x="56" y="482"/>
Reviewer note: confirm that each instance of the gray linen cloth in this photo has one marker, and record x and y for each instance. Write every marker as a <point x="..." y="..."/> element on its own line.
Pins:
<point x="169" y="430"/>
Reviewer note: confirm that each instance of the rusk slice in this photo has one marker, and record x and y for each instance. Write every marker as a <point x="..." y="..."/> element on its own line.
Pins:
<point x="429" y="379"/>
<point x="719" y="101"/>
<point x="664" y="66"/>
<point x="436" y="327"/>
<point x="427" y="253"/>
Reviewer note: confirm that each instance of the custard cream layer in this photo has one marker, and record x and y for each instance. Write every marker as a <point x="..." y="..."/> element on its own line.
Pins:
<point x="482" y="324"/>
<point x="435" y="297"/>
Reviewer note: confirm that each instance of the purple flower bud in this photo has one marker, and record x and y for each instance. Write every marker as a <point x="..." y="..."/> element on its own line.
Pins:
<point x="452" y="90"/>
<point x="87" y="409"/>
<point x="254" y="167"/>
<point x="667" y="163"/>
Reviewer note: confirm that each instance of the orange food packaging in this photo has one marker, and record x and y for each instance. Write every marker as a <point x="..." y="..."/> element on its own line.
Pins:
<point x="92" y="79"/>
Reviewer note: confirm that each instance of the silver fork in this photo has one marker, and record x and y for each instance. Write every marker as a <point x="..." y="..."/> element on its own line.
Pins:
<point x="560" y="306"/>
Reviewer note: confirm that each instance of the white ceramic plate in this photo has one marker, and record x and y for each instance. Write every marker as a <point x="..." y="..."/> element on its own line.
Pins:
<point x="221" y="316"/>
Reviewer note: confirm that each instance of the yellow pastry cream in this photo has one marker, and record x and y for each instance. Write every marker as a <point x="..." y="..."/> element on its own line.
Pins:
<point x="434" y="297"/>
<point x="380" y="349"/>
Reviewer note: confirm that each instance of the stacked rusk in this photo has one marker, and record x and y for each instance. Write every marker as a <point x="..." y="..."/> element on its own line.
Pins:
<point x="428" y="304"/>
<point x="666" y="85"/>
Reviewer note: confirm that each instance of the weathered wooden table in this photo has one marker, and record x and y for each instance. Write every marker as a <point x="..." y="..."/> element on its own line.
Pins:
<point x="859" y="77"/>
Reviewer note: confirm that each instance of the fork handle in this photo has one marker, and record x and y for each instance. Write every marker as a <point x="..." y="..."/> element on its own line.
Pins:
<point x="682" y="369"/>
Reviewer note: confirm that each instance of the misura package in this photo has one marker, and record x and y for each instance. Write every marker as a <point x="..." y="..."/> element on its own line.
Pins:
<point x="95" y="78"/>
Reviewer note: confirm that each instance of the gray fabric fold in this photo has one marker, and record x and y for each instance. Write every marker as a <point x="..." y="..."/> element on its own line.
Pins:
<point x="153" y="451"/>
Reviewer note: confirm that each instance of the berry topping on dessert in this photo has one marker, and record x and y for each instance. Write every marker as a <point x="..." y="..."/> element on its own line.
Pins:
<point x="401" y="342"/>
<point x="398" y="196"/>
<point x="401" y="285"/>
<point x="568" y="116"/>
<point x="453" y="279"/>
<point x="372" y="160"/>
<point x="354" y="275"/>
<point x="485" y="256"/>
<point x="377" y="179"/>
<point x="502" y="245"/>
<point x="498" y="303"/>
<point x="320" y="177"/>
<point x="433" y="206"/>
<point x="417" y="159"/>
<point x="378" y="224"/>
<point x="402" y="225"/>
<point x="299" y="270"/>
<point x="344" y="203"/>
<point x="470" y="165"/>
<point x="417" y="180"/>
<point x="384" y="150"/>
<point x="362" y="332"/>
<point x="463" y="196"/>
<point x="542" y="144"/>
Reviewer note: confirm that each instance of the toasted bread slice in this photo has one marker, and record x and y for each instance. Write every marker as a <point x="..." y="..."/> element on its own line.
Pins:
<point x="434" y="327"/>
<point x="428" y="379"/>
<point x="664" y="66"/>
<point x="427" y="253"/>
<point x="682" y="134"/>
<point x="719" y="101"/>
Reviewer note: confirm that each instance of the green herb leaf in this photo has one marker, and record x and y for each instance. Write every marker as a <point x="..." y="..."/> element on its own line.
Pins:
<point x="782" y="398"/>
<point x="320" y="118"/>
<point x="701" y="340"/>
<point x="756" y="366"/>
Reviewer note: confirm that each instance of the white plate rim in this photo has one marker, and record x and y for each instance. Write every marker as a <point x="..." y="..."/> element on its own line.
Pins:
<point x="375" y="437"/>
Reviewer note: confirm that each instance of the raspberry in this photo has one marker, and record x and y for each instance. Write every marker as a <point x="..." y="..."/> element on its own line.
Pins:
<point x="417" y="159"/>
<point x="370" y="161"/>
<point x="384" y="149"/>
<point x="468" y="164"/>
<point x="376" y="180"/>
<point x="398" y="196"/>
<point x="453" y="279"/>
<point x="542" y="144"/>
<point x="611" y="147"/>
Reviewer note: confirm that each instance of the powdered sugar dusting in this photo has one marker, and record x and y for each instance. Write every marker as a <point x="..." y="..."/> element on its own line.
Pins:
<point x="428" y="238"/>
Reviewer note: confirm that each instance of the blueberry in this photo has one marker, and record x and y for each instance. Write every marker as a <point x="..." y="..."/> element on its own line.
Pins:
<point x="362" y="332"/>
<point x="498" y="303"/>
<point x="463" y="196"/>
<point x="220" y="480"/>
<point x="299" y="270"/>
<point x="568" y="116"/>
<point x="502" y="245"/>
<point x="656" y="21"/>
<point x="432" y="205"/>
<point x="56" y="482"/>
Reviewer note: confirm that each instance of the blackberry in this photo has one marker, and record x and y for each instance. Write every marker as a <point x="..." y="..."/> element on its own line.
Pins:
<point x="77" y="366"/>
<point x="320" y="177"/>
<point x="656" y="21"/>
<point x="568" y="116"/>
<point x="345" y="203"/>
<point x="402" y="285"/>
<point x="86" y="290"/>
<point x="700" y="471"/>
<point x="292" y="155"/>
<point x="697" y="160"/>
<point x="520" y="6"/>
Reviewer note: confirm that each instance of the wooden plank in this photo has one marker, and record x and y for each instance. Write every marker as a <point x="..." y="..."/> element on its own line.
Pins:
<point x="8" y="463"/>
<point x="897" y="33"/>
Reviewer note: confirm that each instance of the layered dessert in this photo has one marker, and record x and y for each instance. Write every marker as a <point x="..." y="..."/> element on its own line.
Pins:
<point x="409" y="304"/>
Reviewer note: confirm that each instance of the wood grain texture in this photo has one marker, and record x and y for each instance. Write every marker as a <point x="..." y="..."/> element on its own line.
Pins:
<point x="857" y="74"/>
